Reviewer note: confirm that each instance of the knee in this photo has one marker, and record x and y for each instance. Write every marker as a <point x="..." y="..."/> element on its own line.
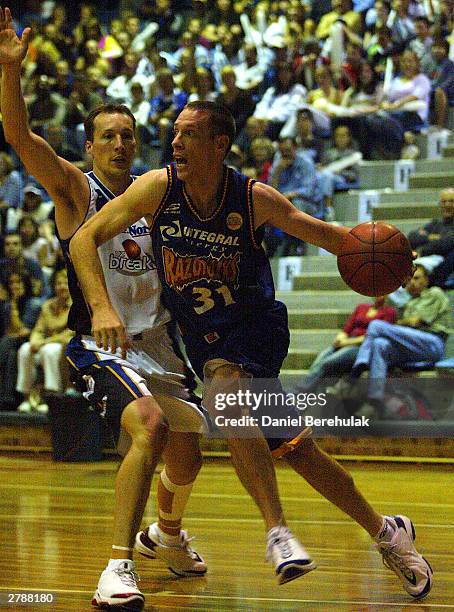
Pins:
<point x="51" y="351"/>
<point x="24" y="351"/>
<point x="382" y="345"/>
<point x="145" y="423"/>
<point x="376" y="328"/>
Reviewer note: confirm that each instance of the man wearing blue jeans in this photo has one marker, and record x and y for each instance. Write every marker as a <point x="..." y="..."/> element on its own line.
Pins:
<point x="420" y="335"/>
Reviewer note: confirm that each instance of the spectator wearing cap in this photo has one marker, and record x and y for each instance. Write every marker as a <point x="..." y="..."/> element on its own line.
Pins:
<point x="33" y="204"/>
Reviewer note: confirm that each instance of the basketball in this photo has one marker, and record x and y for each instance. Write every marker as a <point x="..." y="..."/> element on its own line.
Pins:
<point x="375" y="258"/>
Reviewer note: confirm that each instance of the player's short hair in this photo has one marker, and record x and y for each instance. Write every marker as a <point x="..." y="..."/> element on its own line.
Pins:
<point x="221" y="119"/>
<point x="109" y="109"/>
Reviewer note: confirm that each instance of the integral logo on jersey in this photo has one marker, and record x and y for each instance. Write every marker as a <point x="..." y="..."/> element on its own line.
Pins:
<point x="194" y="234"/>
<point x="182" y="270"/>
<point x="234" y="221"/>
<point x="132" y="261"/>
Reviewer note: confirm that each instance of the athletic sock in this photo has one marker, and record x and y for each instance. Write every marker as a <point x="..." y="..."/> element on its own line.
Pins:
<point x="386" y="532"/>
<point x="113" y="563"/>
<point x="168" y="540"/>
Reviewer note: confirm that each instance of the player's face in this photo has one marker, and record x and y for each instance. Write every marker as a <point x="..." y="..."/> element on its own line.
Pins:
<point x="113" y="145"/>
<point x="194" y="145"/>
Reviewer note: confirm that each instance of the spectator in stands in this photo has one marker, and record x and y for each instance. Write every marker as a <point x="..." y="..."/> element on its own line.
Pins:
<point x="15" y="262"/>
<point x="18" y="314"/>
<point x="48" y="339"/>
<point x="239" y="102"/>
<point x="326" y="91"/>
<point x="440" y="69"/>
<point x="406" y="107"/>
<point x="437" y="236"/>
<point x="119" y="89"/>
<point x="165" y="106"/>
<point x="250" y="73"/>
<point x="340" y="9"/>
<point x="33" y="205"/>
<point x="339" y="358"/>
<point x="280" y="101"/>
<point x="342" y="179"/>
<point x="401" y="22"/>
<point x="261" y="159"/>
<point x="45" y="106"/>
<point x="205" y="88"/>
<point x="422" y="43"/>
<point x="39" y="243"/>
<point x="420" y="335"/>
<point x="10" y="187"/>
<point x="294" y="175"/>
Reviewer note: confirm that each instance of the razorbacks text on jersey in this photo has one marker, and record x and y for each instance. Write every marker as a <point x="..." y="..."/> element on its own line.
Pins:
<point x="215" y="275"/>
<point x="129" y="269"/>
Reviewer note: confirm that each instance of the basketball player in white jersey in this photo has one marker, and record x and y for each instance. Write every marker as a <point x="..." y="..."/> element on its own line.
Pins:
<point x="167" y="422"/>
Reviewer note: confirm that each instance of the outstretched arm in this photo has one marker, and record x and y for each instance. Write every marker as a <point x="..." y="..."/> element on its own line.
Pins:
<point x="62" y="180"/>
<point x="141" y="199"/>
<point x="272" y="207"/>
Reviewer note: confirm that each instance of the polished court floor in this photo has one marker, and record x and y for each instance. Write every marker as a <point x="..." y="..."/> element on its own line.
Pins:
<point x="55" y="524"/>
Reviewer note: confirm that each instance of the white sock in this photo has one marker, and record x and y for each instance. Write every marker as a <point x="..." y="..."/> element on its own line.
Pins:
<point x="113" y="563"/>
<point x="386" y="532"/>
<point x="169" y="540"/>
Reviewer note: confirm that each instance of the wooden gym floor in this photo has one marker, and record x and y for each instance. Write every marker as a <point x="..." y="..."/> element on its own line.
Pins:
<point x="55" y="524"/>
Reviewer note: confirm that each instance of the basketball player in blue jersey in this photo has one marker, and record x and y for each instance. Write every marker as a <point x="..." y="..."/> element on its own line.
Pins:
<point x="121" y="388"/>
<point x="207" y="223"/>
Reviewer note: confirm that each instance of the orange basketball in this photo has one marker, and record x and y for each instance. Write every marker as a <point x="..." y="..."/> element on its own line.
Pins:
<point x="375" y="258"/>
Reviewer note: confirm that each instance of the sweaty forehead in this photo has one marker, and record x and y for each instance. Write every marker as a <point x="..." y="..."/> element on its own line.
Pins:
<point x="192" y="118"/>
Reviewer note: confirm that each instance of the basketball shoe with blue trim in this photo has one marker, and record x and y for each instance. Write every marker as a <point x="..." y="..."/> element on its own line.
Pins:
<point x="290" y="558"/>
<point x="400" y="556"/>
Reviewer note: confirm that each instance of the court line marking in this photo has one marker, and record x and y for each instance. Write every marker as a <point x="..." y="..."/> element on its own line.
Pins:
<point x="163" y="594"/>
<point x="87" y="490"/>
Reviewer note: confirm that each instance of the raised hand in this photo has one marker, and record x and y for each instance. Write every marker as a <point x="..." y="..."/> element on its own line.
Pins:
<point x="12" y="48"/>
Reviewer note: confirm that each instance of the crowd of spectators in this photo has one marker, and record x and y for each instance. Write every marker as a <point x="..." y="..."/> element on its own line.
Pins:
<point x="313" y="88"/>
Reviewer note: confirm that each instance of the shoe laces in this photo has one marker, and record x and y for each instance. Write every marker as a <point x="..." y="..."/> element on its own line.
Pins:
<point x="281" y="540"/>
<point x="127" y="575"/>
<point x="395" y="561"/>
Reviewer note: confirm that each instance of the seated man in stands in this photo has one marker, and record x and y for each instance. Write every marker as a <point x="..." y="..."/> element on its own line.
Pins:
<point x="420" y="335"/>
<point x="294" y="175"/>
<point x="339" y="358"/>
<point x="437" y="236"/>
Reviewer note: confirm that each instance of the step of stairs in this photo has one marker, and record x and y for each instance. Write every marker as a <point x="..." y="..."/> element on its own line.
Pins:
<point x="312" y="339"/>
<point x="321" y="281"/>
<point x="320" y="299"/>
<point x="448" y="151"/>
<point x="380" y="174"/>
<point x="433" y="180"/>
<point x="410" y="210"/>
<point x="298" y="359"/>
<point x="317" y="318"/>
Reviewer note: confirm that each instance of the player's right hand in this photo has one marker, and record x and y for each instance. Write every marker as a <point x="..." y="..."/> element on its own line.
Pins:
<point x="12" y="48"/>
<point x="109" y="331"/>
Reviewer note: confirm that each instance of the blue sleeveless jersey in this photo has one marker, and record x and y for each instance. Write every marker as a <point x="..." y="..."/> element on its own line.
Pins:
<point x="217" y="280"/>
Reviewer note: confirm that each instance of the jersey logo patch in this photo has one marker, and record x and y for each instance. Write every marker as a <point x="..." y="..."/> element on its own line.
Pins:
<point x="183" y="270"/>
<point x="234" y="221"/>
<point x="171" y="231"/>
